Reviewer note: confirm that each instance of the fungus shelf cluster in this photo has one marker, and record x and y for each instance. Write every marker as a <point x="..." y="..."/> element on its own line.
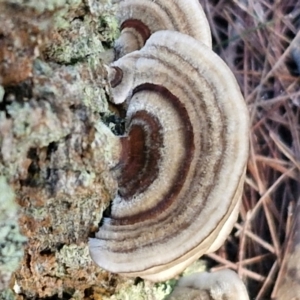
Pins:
<point x="184" y="152"/>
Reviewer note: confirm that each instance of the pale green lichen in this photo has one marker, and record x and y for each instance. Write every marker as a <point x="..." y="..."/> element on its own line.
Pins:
<point x="38" y="213"/>
<point x="73" y="256"/>
<point x="11" y="240"/>
<point x="106" y="145"/>
<point x="142" y="291"/>
<point x="95" y="97"/>
<point x="7" y="295"/>
<point x="83" y="84"/>
<point x="61" y="18"/>
<point x="197" y="266"/>
<point x="107" y="21"/>
<point x="87" y="178"/>
<point x="37" y="123"/>
<point x="82" y="43"/>
<point x="8" y="207"/>
<point x="26" y="124"/>
<point x="82" y="37"/>
<point x="110" y="27"/>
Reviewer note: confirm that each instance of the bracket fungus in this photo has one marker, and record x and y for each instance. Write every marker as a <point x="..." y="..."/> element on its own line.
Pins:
<point x="183" y="159"/>
<point x="139" y="19"/>
<point x="224" y="284"/>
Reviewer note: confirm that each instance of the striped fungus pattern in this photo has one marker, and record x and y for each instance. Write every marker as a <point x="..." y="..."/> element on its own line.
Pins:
<point x="139" y="19"/>
<point x="183" y="157"/>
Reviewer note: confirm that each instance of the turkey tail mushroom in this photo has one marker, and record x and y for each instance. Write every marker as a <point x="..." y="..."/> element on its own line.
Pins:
<point x="183" y="160"/>
<point x="138" y="19"/>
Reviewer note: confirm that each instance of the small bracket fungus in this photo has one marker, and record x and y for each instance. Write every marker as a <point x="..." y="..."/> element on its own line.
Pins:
<point x="219" y="285"/>
<point x="183" y="158"/>
<point x="139" y="19"/>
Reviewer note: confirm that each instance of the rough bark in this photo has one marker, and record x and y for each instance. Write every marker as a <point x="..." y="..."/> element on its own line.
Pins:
<point x="55" y="153"/>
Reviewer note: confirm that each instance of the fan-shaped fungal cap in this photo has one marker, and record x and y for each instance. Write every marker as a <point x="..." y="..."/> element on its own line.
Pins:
<point x="224" y="284"/>
<point x="183" y="161"/>
<point x="140" y="18"/>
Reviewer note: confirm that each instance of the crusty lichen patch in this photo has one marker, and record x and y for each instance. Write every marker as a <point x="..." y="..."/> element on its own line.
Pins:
<point x="11" y="240"/>
<point x="67" y="272"/>
<point x="66" y="184"/>
<point x="82" y="32"/>
<point x="141" y="291"/>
